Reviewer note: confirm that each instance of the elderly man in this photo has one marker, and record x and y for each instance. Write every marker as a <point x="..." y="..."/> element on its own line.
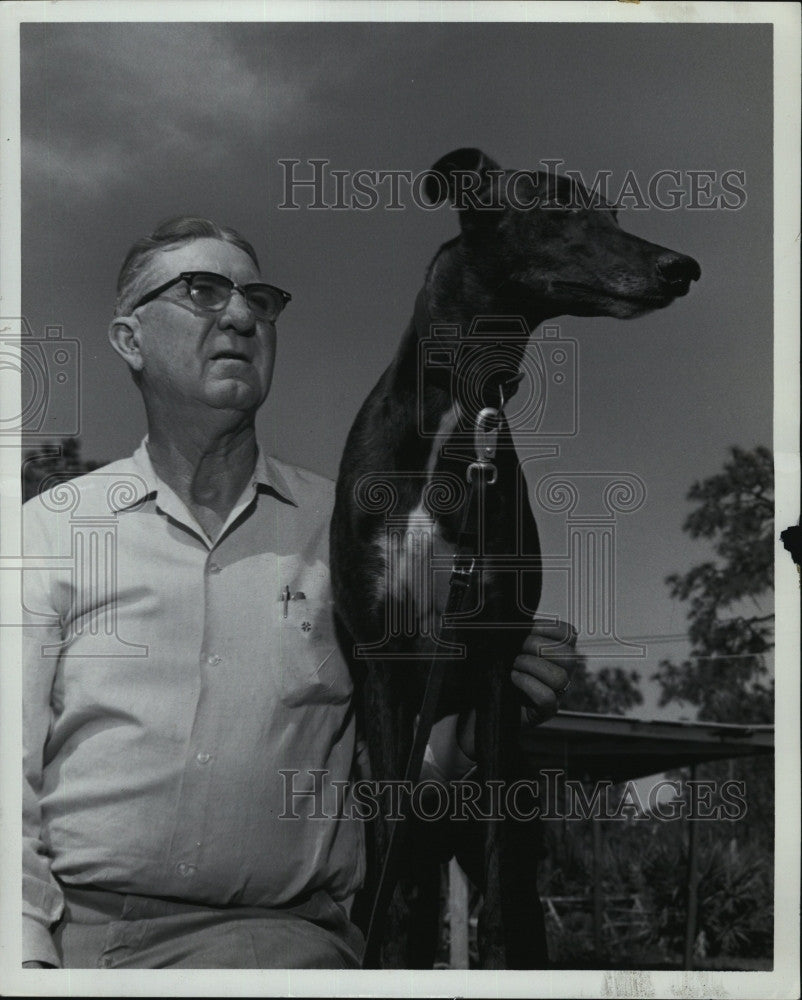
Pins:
<point x="165" y="692"/>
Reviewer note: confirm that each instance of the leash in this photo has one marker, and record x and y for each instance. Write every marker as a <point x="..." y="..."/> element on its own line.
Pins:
<point x="480" y="474"/>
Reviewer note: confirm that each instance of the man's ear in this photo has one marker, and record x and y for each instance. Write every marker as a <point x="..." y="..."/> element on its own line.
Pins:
<point x="125" y="337"/>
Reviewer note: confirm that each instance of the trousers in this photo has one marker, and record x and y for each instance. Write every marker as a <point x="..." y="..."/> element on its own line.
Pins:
<point x="109" y="930"/>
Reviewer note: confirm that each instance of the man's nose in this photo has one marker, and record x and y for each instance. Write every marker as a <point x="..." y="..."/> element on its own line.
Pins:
<point x="238" y="314"/>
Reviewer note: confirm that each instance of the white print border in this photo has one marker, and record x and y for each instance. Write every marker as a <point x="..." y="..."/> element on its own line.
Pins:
<point x="784" y="980"/>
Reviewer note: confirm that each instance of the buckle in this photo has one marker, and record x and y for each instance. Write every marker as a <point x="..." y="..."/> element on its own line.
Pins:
<point x="482" y="468"/>
<point x="460" y="572"/>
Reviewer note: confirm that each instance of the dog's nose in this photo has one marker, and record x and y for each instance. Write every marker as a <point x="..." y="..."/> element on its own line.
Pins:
<point x="678" y="271"/>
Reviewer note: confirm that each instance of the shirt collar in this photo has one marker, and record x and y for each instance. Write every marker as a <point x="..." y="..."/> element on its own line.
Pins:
<point x="146" y="484"/>
<point x="267" y="474"/>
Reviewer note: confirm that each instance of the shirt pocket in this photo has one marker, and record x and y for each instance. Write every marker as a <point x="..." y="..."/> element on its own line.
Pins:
<point x="311" y="667"/>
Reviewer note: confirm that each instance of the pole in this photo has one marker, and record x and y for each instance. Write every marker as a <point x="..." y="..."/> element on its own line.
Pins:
<point x="597" y="886"/>
<point x="692" y="884"/>
<point x="458" y="916"/>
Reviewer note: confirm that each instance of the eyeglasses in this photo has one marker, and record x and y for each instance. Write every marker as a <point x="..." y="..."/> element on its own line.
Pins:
<point x="212" y="292"/>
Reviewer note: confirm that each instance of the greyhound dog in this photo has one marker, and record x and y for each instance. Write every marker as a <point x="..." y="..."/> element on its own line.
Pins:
<point x="527" y="252"/>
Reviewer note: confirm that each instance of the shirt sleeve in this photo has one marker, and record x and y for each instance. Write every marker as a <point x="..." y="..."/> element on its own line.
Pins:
<point x="443" y="760"/>
<point x="42" y="900"/>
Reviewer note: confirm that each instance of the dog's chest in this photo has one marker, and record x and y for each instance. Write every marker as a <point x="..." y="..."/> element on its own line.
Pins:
<point x="414" y="556"/>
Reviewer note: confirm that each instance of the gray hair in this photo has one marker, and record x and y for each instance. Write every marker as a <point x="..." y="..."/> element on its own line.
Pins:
<point x="171" y="233"/>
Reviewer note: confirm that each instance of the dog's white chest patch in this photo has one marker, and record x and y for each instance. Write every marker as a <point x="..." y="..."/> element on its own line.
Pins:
<point x="417" y="565"/>
<point x="414" y="556"/>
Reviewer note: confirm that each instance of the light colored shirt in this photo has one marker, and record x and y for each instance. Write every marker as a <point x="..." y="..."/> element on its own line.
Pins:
<point x="168" y="680"/>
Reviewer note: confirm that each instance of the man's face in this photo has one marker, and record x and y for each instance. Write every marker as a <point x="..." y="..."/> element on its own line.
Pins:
<point x="223" y="359"/>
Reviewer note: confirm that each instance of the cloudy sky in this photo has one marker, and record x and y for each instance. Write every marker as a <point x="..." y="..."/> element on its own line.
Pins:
<point x="126" y="124"/>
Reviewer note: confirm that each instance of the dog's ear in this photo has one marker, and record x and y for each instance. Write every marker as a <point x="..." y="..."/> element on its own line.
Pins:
<point x="470" y="180"/>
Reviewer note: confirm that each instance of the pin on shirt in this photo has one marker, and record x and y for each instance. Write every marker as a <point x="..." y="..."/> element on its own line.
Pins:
<point x="285" y="598"/>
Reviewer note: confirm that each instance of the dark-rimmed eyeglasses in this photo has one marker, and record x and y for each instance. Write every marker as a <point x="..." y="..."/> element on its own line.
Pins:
<point x="211" y="292"/>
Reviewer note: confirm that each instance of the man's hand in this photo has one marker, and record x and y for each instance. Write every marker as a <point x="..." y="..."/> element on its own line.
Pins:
<point x="543" y="669"/>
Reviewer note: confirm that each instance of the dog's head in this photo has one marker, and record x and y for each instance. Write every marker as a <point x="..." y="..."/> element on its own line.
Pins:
<point x="544" y="243"/>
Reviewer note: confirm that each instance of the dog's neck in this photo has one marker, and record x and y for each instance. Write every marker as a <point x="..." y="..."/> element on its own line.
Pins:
<point x="445" y="311"/>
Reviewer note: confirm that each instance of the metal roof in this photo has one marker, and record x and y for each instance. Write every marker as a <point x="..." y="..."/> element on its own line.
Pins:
<point x="619" y="748"/>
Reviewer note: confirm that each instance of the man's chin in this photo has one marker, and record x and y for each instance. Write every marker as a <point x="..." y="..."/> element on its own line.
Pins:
<point x="236" y="394"/>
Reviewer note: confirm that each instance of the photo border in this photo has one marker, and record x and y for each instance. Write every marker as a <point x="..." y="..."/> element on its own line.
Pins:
<point x="784" y="979"/>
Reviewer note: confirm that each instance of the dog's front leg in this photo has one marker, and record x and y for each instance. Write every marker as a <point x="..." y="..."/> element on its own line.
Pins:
<point x="492" y="952"/>
<point x="511" y="926"/>
<point x="409" y="929"/>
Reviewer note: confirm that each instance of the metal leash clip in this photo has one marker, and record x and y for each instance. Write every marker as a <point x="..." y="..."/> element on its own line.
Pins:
<point x="485" y="440"/>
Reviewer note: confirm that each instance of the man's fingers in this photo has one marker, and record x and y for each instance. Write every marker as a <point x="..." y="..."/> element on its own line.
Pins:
<point x="554" y="676"/>
<point x="558" y="628"/>
<point x="542" y="670"/>
<point x="538" y="644"/>
<point x="557" y="631"/>
<point x="542" y="698"/>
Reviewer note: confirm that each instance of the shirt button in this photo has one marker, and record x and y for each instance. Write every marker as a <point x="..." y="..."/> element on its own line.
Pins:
<point x="203" y="758"/>
<point x="213" y="660"/>
<point x="185" y="870"/>
<point x="214" y="568"/>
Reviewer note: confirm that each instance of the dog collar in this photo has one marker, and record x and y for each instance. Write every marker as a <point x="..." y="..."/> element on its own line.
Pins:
<point x="493" y="394"/>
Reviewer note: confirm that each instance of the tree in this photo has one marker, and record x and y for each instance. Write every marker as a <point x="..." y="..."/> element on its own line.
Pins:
<point x="731" y="623"/>
<point x="726" y="675"/>
<point x="609" y="691"/>
<point x="52" y="462"/>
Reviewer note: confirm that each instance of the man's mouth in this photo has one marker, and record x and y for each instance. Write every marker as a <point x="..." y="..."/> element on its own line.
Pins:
<point x="231" y="356"/>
